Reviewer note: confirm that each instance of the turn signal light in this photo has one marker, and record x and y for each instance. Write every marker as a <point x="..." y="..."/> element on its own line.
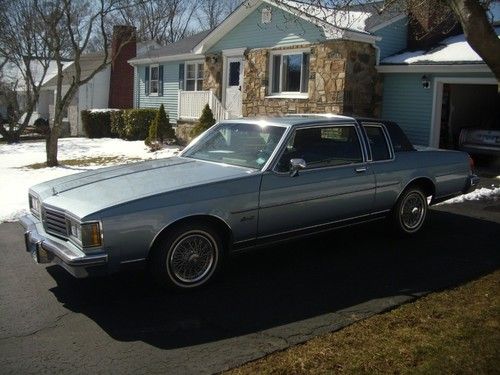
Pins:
<point x="91" y="235"/>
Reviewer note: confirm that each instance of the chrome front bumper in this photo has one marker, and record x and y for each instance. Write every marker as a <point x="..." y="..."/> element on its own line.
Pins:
<point x="46" y="250"/>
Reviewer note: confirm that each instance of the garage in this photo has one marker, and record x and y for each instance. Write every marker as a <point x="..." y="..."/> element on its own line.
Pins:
<point x="468" y="107"/>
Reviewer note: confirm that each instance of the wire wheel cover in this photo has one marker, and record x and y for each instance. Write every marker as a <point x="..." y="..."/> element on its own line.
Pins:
<point x="412" y="211"/>
<point x="192" y="257"/>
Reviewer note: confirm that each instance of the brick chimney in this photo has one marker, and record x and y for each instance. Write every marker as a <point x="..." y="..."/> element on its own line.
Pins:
<point x="121" y="84"/>
<point x="429" y="22"/>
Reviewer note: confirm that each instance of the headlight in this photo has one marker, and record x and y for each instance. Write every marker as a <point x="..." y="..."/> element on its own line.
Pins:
<point x="87" y="234"/>
<point x="35" y="206"/>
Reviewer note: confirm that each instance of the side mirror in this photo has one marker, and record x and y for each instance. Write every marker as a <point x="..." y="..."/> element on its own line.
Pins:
<point x="296" y="165"/>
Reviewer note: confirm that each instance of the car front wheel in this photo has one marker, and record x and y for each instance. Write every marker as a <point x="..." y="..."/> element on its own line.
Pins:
<point x="410" y="211"/>
<point x="187" y="257"/>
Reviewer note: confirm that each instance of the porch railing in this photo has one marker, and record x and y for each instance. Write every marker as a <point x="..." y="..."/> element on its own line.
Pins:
<point x="191" y="104"/>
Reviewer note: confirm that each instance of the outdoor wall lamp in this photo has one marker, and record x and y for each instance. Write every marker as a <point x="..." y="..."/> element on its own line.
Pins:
<point x="426" y="82"/>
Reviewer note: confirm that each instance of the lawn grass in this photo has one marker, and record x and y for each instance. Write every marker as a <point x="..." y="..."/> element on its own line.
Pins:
<point x="86" y="162"/>
<point x="451" y="332"/>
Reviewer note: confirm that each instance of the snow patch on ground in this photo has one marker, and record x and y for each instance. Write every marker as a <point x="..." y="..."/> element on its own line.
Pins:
<point x="480" y="194"/>
<point x="16" y="178"/>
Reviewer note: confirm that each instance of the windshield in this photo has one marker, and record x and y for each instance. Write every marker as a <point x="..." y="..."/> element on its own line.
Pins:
<point x="245" y="145"/>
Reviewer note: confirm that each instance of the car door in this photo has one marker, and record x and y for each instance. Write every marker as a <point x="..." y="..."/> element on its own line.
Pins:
<point x="336" y="184"/>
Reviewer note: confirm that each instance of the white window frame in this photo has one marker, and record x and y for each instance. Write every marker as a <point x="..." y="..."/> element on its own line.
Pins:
<point x="196" y="64"/>
<point x="151" y="67"/>
<point x="286" y="94"/>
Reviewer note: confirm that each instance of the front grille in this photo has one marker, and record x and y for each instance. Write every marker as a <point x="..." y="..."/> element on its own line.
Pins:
<point x="54" y="222"/>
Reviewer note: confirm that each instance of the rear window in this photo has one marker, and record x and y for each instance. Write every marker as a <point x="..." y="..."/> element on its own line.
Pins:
<point x="400" y="141"/>
<point x="378" y="142"/>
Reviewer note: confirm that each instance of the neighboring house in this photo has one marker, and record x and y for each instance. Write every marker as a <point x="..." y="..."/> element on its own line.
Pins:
<point x="270" y="58"/>
<point x="12" y="76"/>
<point x="112" y="87"/>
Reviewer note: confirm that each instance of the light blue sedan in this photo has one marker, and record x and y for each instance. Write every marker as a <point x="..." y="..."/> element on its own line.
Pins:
<point x="243" y="183"/>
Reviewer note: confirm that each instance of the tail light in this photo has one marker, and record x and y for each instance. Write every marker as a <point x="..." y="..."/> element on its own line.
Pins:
<point x="471" y="164"/>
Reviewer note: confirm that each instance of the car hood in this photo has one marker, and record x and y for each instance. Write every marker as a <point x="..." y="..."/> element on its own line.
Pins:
<point x="85" y="193"/>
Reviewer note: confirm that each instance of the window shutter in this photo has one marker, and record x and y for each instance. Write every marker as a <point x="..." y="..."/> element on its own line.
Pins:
<point x="146" y="80"/>
<point x="160" y="80"/>
<point x="181" y="76"/>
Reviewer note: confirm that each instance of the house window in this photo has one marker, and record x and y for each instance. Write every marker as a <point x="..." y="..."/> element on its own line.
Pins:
<point x="194" y="77"/>
<point x="289" y="73"/>
<point x="154" y="78"/>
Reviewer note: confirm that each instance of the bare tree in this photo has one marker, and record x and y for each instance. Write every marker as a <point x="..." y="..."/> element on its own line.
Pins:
<point x="164" y="21"/>
<point x="27" y="57"/>
<point x="70" y="25"/>
<point x="210" y="13"/>
<point x="479" y="32"/>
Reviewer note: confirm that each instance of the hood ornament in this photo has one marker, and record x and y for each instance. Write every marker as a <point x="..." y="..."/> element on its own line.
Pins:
<point x="54" y="191"/>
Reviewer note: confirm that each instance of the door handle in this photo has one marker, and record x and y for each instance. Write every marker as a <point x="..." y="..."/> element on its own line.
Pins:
<point x="361" y="169"/>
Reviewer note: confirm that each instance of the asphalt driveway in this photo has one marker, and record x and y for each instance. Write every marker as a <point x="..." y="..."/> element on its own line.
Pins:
<point x="266" y="301"/>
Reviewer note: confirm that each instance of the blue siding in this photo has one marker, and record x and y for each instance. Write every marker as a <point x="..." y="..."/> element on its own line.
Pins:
<point x="170" y="89"/>
<point x="284" y="29"/>
<point x="394" y="38"/>
<point x="406" y="102"/>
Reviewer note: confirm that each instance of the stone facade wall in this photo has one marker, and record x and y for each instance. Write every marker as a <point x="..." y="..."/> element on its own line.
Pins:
<point x="212" y="75"/>
<point x="361" y="79"/>
<point x="342" y="79"/>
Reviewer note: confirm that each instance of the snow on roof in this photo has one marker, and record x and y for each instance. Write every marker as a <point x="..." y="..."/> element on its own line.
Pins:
<point x="454" y="49"/>
<point x="343" y="19"/>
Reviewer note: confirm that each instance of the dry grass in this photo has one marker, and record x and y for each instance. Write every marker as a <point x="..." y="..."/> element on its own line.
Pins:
<point x="86" y="162"/>
<point x="452" y="332"/>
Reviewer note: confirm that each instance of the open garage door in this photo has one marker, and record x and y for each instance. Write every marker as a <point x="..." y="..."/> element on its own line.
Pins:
<point x="470" y="113"/>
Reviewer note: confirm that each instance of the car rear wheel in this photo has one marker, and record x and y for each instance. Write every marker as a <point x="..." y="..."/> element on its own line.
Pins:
<point x="410" y="212"/>
<point x="187" y="257"/>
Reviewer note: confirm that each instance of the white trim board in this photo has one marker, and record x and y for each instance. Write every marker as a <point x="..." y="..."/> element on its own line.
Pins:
<point x="434" y="68"/>
<point x="437" y="101"/>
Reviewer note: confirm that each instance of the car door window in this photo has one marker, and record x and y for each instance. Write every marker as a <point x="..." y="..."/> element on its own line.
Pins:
<point x="378" y="142"/>
<point x="322" y="147"/>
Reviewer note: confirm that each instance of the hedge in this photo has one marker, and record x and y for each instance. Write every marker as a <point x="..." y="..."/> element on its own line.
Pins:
<point x="97" y="124"/>
<point x="130" y="124"/>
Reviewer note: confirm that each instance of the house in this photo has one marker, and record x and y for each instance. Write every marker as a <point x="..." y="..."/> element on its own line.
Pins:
<point x="272" y="58"/>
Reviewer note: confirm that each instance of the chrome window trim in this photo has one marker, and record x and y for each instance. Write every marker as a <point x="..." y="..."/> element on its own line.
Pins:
<point x="388" y="142"/>
<point x="312" y="126"/>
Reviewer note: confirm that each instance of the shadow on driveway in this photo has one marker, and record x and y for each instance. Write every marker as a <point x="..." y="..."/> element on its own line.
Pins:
<point x="290" y="283"/>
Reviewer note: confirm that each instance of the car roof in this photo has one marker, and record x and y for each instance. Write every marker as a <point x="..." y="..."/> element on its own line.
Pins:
<point x="294" y="120"/>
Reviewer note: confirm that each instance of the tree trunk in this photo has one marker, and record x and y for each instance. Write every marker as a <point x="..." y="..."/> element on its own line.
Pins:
<point x="479" y="33"/>
<point x="51" y="142"/>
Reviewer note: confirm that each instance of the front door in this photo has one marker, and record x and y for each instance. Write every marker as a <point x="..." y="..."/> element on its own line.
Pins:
<point x="233" y="86"/>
